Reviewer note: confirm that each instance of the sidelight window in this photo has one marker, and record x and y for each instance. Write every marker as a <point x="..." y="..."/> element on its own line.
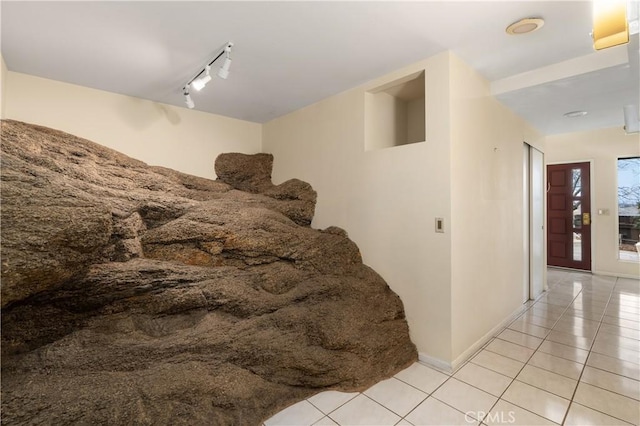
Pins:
<point x="628" y="208"/>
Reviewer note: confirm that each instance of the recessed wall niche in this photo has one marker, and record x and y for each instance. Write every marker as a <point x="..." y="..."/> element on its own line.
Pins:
<point x="395" y="113"/>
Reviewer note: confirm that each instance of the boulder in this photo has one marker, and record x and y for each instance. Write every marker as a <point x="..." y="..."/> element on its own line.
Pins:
<point x="134" y="294"/>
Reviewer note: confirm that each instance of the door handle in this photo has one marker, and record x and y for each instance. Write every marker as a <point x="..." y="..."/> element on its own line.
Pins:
<point x="586" y="218"/>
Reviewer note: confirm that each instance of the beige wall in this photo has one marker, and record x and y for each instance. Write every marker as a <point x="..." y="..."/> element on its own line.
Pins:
<point x="386" y="199"/>
<point x="158" y="134"/>
<point x="602" y="148"/>
<point x="415" y="121"/>
<point x="3" y="77"/>
<point x="380" y="132"/>
<point x="487" y="224"/>
<point x="456" y="286"/>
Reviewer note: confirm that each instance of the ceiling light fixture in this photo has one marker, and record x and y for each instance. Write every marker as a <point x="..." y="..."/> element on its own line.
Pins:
<point x="202" y="77"/>
<point x="574" y="114"/>
<point x="524" y="26"/>
<point x="610" y="26"/>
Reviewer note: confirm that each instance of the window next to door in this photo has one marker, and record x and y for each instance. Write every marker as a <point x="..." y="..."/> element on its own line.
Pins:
<point x="629" y="209"/>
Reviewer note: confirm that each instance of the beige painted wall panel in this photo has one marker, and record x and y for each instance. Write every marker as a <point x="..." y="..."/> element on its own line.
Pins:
<point x="158" y="134"/>
<point x="386" y="199"/>
<point x="387" y="124"/>
<point x="487" y="208"/>
<point x="602" y="148"/>
<point x="397" y="198"/>
<point x="415" y="120"/>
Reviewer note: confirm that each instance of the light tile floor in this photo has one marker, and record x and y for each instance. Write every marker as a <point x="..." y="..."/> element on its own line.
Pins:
<point x="572" y="358"/>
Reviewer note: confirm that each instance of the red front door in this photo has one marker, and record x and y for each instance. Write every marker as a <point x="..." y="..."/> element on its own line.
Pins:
<point x="569" y="216"/>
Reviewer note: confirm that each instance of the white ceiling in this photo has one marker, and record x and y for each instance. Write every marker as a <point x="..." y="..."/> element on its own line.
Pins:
<point x="291" y="54"/>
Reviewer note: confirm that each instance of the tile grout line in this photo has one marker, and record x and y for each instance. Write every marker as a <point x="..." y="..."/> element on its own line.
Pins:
<point x="523" y="366"/>
<point x="612" y="372"/>
<point x="564" y="419"/>
<point x="389" y="409"/>
<point x="598" y="332"/>
<point x="531" y="356"/>
<point x="527" y="363"/>
<point x="431" y="396"/>
<point x="327" y="414"/>
<point x="590" y="351"/>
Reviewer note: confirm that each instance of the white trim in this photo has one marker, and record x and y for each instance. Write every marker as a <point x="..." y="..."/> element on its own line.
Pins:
<point x="592" y="208"/>
<point x="466" y="355"/>
<point x="593" y="61"/>
<point x="526" y="209"/>
<point x="436" y="363"/>
<point x="567" y="269"/>
<point x="537" y="260"/>
<point x="554" y="163"/>
<point x="616" y="274"/>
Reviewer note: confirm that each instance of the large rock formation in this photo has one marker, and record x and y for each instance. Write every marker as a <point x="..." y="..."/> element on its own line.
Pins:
<point x="140" y="295"/>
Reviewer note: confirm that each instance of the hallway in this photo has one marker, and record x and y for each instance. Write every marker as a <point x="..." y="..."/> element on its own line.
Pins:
<point x="571" y="358"/>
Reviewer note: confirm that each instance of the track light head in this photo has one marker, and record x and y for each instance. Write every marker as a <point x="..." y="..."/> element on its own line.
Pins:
<point x="199" y="83"/>
<point x="187" y="98"/>
<point x="189" y="102"/>
<point x="223" y="72"/>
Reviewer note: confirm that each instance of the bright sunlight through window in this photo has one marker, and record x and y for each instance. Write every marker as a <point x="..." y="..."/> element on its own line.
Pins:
<point x="629" y="209"/>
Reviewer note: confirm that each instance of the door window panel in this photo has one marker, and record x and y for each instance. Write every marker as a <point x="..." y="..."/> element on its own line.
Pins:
<point x="576" y="191"/>
<point x="576" y="178"/>
<point x="577" y="246"/>
<point x="577" y="214"/>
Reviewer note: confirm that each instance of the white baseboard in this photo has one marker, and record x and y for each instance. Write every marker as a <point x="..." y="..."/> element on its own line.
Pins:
<point x="449" y="368"/>
<point x="490" y="335"/>
<point x="617" y="275"/>
<point x="436" y="363"/>
<point x="597" y="272"/>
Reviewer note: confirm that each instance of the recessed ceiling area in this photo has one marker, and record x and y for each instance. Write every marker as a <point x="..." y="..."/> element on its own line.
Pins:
<point x="288" y="55"/>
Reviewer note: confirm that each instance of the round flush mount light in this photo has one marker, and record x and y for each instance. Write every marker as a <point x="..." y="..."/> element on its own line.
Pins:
<point x="524" y="26"/>
<point x="574" y="114"/>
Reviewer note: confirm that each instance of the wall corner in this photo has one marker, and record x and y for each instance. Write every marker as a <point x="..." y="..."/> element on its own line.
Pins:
<point x="3" y="78"/>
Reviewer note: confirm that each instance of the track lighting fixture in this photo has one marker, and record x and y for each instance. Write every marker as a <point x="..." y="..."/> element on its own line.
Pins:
<point x="200" y="80"/>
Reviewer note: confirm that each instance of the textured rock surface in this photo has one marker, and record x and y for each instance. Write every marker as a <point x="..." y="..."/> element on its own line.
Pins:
<point x="140" y="295"/>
